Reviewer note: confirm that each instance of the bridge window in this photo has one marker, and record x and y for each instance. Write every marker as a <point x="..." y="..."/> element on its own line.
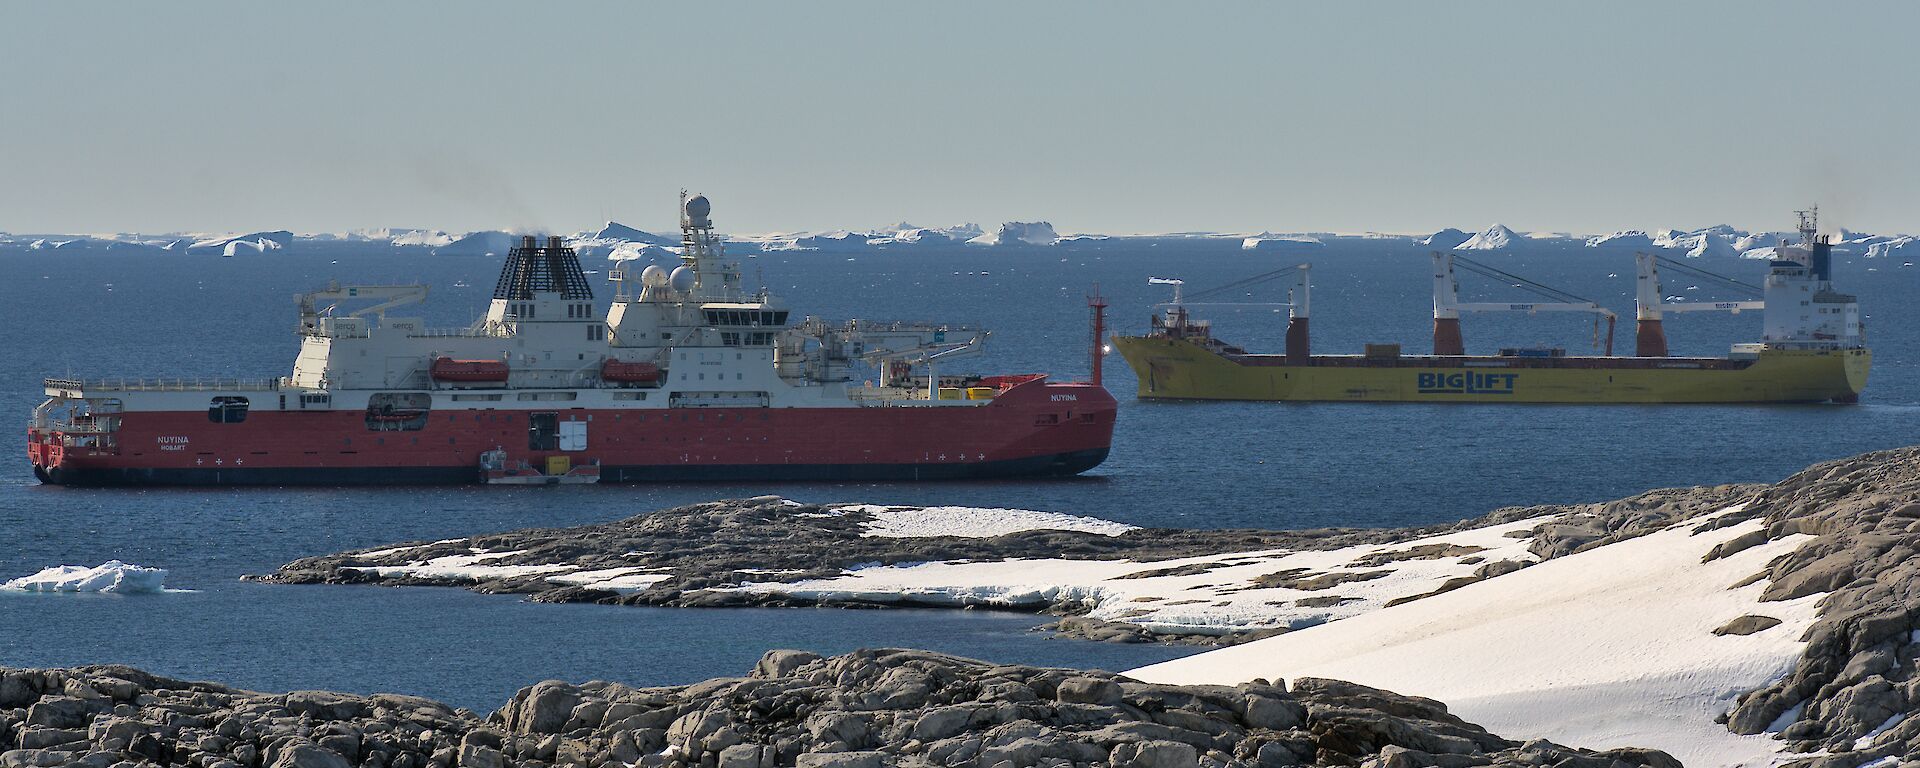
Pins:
<point x="227" y="410"/>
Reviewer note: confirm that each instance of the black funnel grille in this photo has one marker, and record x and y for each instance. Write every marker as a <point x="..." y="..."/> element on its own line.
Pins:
<point x="532" y="269"/>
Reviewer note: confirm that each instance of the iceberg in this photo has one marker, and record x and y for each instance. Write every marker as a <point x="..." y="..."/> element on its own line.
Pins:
<point x="1020" y="233"/>
<point x="1887" y="248"/>
<point x="1269" y="242"/>
<point x="426" y="238"/>
<point x="617" y="231"/>
<point x="257" y="242"/>
<point x="483" y="243"/>
<point x="1494" y="238"/>
<point x="837" y="240"/>
<point x="1631" y="238"/>
<point x="1448" y="238"/>
<point x="908" y="234"/>
<point x="111" y="576"/>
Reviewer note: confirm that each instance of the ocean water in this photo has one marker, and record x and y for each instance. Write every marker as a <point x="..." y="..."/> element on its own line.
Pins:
<point x="1174" y="464"/>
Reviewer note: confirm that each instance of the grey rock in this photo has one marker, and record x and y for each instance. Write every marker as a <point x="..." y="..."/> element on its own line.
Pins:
<point x="326" y="705"/>
<point x="60" y="712"/>
<point x="548" y="707"/>
<point x="42" y="737"/>
<point x="741" y="756"/>
<point x="1154" y="754"/>
<point x="1089" y="690"/>
<point x="477" y="756"/>
<point x="1273" y="713"/>
<point x="840" y="760"/>
<point x="306" y="754"/>
<point x="1747" y="625"/>
<point x="782" y="663"/>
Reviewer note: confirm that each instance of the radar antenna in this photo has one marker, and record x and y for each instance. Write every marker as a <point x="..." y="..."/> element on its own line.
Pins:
<point x="1809" y="225"/>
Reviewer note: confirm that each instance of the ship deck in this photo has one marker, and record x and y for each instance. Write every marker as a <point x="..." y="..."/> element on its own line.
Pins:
<point x="1494" y="361"/>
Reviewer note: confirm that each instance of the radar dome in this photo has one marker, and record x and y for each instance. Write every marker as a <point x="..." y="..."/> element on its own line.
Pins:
<point x="697" y="209"/>
<point x="653" y="276"/>
<point x="681" y="279"/>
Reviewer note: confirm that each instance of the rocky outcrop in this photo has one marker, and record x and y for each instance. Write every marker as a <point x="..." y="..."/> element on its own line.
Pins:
<point x="1856" y="687"/>
<point x="704" y="549"/>
<point x="862" y="710"/>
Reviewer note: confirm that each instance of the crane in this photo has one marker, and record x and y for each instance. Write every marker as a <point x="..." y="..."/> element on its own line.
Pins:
<point x="1447" y="306"/>
<point x="393" y="295"/>
<point x="1650" y="335"/>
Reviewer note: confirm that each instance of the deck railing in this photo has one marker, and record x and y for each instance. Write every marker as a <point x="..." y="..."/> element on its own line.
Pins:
<point x="166" y="385"/>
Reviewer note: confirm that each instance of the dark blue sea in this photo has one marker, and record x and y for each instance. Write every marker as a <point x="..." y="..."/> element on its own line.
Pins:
<point x="1173" y="464"/>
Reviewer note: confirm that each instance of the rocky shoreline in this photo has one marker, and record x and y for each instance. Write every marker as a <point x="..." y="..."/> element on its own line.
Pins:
<point x="699" y="555"/>
<point x="861" y="710"/>
<point x="1851" y="698"/>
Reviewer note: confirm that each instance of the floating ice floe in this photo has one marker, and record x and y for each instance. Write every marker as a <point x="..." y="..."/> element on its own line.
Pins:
<point x="112" y="576"/>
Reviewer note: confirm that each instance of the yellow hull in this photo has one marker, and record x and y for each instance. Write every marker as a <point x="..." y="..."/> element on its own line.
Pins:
<point x="1181" y="369"/>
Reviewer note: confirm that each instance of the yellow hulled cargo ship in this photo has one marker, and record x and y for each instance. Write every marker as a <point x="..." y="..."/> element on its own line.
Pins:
<point x="1811" y="350"/>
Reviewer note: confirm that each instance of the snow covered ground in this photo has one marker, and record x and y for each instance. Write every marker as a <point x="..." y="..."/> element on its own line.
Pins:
<point x="112" y="576"/>
<point x="1609" y="647"/>
<point x="975" y="522"/>
<point x="1215" y="594"/>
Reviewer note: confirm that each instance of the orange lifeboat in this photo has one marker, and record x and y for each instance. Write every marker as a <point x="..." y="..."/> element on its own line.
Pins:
<point x="449" y="369"/>
<point x="636" y="372"/>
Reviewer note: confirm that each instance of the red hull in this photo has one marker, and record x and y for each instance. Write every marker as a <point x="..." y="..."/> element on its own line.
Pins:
<point x="1037" y="428"/>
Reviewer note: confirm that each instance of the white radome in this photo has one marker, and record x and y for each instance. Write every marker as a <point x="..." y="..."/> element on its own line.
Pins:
<point x="654" y="276"/>
<point x="682" y="278"/>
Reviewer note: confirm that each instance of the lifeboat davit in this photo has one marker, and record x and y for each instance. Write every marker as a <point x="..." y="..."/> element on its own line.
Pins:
<point x="622" y="370"/>
<point x="449" y="369"/>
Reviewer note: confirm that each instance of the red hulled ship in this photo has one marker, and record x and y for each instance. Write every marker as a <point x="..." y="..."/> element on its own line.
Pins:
<point x="686" y="377"/>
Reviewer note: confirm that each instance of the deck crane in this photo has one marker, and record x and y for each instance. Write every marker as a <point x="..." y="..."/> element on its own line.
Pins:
<point x="1447" y="307"/>
<point x="1299" y="304"/>
<point x="394" y="296"/>
<point x="1650" y="335"/>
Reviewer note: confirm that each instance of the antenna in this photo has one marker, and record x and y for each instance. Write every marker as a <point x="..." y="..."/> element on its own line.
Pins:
<point x="1809" y="225"/>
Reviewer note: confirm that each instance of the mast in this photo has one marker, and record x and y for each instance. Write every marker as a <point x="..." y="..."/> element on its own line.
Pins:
<point x="1446" y="307"/>
<point x="1649" y="332"/>
<point x="1098" y="304"/>
<point x="1299" y="348"/>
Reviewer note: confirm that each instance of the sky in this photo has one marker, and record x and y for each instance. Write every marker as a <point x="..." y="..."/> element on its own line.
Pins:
<point x="1110" y="117"/>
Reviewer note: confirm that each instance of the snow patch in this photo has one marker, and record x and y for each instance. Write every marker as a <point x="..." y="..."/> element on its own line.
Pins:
<point x="975" y="523"/>
<point x="626" y="580"/>
<point x="1605" y="648"/>
<point x="112" y="576"/>
<point x="1213" y="594"/>
<point x="467" y="567"/>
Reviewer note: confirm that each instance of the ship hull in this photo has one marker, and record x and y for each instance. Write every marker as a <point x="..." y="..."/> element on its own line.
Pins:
<point x="1180" y="369"/>
<point x="1053" y="465"/>
<point x="1038" y="429"/>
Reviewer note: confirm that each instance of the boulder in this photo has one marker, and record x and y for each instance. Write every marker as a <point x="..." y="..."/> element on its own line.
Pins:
<point x="1154" y="754"/>
<point x="1747" y="625"/>
<point x="306" y="754"/>
<point x="1089" y="690"/>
